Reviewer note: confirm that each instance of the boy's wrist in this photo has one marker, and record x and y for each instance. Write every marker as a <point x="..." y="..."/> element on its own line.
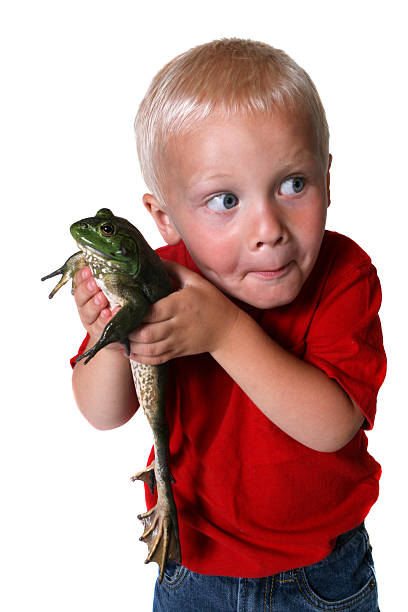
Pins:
<point x="233" y="337"/>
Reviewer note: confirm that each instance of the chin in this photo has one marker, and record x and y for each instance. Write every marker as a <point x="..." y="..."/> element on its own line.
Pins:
<point x="269" y="304"/>
<point x="268" y="299"/>
<point x="266" y="302"/>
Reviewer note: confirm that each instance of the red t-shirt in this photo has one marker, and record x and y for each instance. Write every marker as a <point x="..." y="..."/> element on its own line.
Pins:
<point x="251" y="500"/>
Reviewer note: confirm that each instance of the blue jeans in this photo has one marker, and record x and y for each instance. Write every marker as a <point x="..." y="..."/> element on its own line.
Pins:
<point x="344" y="581"/>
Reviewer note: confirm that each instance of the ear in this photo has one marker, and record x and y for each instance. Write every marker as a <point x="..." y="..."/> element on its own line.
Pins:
<point x="162" y="219"/>
<point x="328" y="180"/>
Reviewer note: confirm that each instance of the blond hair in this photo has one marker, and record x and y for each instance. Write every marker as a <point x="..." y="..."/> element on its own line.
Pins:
<point x="226" y="77"/>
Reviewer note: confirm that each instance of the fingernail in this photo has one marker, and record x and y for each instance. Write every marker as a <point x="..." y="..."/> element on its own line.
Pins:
<point x="98" y="299"/>
<point x="91" y="285"/>
<point x="85" y="273"/>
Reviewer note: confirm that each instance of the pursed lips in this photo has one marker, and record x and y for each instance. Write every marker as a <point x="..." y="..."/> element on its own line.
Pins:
<point x="271" y="272"/>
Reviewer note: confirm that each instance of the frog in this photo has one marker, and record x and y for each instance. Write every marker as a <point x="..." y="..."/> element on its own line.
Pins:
<point x="132" y="276"/>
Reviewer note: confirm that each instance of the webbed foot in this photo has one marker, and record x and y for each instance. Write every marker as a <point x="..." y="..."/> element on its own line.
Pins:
<point x="161" y="535"/>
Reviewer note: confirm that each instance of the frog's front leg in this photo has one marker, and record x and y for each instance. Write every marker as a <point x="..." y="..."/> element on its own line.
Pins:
<point x="68" y="270"/>
<point x="127" y="319"/>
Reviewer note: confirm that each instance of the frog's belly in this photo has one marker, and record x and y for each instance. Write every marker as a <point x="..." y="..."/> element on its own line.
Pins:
<point x="113" y="299"/>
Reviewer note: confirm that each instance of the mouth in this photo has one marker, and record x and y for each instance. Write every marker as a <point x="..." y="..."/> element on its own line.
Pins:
<point x="278" y="272"/>
<point x="93" y="256"/>
<point x="90" y="252"/>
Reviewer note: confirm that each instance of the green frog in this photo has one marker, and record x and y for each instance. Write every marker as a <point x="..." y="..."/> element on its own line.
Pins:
<point x="132" y="276"/>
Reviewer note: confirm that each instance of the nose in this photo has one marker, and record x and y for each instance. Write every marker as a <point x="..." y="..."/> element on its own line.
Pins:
<point x="266" y="226"/>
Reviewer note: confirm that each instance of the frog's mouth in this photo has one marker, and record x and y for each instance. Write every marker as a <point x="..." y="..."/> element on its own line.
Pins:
<point x="93" y="256"/>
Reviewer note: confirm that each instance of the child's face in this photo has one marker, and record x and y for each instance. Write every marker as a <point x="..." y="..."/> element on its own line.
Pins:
<point x="248" y="196"/>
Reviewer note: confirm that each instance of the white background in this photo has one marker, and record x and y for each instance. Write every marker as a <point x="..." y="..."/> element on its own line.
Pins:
<point x="72" y="75"/>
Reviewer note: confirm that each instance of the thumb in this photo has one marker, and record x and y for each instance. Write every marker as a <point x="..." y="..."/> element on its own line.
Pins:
<point x="182" y="275"/>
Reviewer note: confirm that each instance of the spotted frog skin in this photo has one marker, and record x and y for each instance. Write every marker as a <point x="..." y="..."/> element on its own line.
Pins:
<point x="132" y="276"/>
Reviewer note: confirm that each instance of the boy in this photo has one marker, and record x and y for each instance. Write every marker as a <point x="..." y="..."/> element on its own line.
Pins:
<point x="274" y="338"/>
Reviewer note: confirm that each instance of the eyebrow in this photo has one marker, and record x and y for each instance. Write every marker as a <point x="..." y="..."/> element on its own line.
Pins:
<point x="199" y="188"/>
<point x="301" y="155"/>
<point x="209" y="177"/>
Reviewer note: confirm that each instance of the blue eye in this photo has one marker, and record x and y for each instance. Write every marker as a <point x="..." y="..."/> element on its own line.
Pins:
<point x="221" y="202"/>
<point x="292" y="185"/>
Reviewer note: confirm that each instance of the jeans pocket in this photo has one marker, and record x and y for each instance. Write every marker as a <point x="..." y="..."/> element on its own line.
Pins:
<point x="174" y="575"/>
<point x="343" y="580"/>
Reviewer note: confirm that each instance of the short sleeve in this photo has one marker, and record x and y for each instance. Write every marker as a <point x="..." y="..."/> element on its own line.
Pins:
<point x="345" y="337"/>
<point x="80" y="350"/>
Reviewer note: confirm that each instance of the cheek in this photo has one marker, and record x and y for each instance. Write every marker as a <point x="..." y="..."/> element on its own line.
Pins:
<point x="214" y="252"/>
<point x="213" y="245"/>
<point x="311" y="221"/>
<point x="310" y="235"/>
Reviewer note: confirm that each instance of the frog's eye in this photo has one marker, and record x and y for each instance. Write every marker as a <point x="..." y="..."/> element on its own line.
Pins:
<point x="292" y="186"/>
<point x="223" y="201"/>
<point x="107" y="229"/>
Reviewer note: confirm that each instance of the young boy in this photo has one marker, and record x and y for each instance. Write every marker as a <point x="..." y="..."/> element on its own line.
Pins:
<point x="274" y="338"/>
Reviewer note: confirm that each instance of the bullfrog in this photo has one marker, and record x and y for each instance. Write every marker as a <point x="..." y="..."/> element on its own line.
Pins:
<point x="132" y="276"/>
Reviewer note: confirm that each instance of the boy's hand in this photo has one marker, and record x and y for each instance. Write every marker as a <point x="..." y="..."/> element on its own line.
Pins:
<point x="195" y="319"/>
<point x="92" y="306"/>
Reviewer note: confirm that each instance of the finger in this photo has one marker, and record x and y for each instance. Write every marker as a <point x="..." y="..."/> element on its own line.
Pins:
<point x="82" y="275"/>
<point x="106" y="314"/>
<point x="163" y="310"/>
<point x="151" y="333"/>
<point x="85" y="290"/>
<point x="93" y="307"/>
<point x="155" y="348"/>
<point x="81" y="278"/>
<point x="146" y="360"/>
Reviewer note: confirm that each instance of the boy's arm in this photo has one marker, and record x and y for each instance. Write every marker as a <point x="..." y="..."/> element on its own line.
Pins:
<point x="103" y="388"/>
<point x="295" y="395"/>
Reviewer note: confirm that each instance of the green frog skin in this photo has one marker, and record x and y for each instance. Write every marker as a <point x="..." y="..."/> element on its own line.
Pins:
<point x="132" y="276"/>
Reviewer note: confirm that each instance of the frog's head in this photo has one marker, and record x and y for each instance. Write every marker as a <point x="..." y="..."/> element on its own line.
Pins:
<point x="110" y="239"/>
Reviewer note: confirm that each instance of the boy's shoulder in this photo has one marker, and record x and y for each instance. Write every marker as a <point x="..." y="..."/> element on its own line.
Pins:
<point x="169" y="251"/>
<point x="342" y="253"/>
<point x="341" y="262"/>
<point x="178" y="253"/>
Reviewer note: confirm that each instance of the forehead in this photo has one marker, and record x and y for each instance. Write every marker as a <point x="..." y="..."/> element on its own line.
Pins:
<point x="220" y="144"/>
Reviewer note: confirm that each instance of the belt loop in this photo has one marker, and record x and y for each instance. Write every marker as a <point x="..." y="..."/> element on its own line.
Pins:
<point x="287" y="576"/>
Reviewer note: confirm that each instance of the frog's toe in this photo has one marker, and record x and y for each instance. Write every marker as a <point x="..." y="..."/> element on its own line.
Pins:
<point x="148" y="477"/>
<point x="161" y="537"/>
<point x="87" y="355"/>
